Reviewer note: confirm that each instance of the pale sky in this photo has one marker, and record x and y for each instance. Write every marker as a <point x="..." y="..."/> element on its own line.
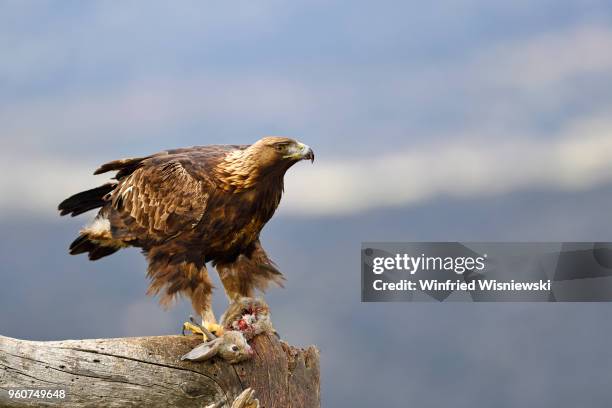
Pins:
<point x="485" y="98"/>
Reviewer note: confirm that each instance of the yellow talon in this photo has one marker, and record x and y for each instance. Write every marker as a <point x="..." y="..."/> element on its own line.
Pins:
<point x="214" y="328"/>
<point x="193" y="329"/>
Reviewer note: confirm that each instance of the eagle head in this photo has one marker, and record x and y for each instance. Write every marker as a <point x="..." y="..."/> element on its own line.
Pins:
<point x="275" y="151"/>
<point x="267" y="159"/>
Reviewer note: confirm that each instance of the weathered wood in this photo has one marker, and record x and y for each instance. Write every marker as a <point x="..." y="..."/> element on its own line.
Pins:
<point x="147" y="372"/>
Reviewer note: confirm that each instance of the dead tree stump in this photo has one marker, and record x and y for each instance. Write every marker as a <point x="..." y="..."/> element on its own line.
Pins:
<point x="147" y="372"/>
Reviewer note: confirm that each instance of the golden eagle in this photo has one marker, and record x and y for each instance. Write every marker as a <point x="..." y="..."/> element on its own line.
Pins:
<point x="186" y="207"/>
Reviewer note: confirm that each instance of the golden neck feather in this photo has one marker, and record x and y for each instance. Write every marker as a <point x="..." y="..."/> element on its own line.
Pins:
<point x="238" y="170"/>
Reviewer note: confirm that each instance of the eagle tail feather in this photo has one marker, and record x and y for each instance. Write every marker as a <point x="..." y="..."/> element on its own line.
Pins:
<point x="96" y="250"/>
<point x="86" y="200"/>
<point x="96" y="239"/>
<point x="81" y="245"/>
<point x="101" y="251"/>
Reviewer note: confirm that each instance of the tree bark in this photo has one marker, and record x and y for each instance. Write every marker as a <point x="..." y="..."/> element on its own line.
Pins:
<point x="147" y="372"/>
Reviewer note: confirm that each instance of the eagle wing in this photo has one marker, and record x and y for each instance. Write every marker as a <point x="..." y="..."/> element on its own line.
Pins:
<point x="159" y="199"/>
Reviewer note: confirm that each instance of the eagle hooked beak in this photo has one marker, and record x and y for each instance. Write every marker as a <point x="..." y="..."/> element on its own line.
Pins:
<point x="308" y="154"/>
<point x="301" y="151"/>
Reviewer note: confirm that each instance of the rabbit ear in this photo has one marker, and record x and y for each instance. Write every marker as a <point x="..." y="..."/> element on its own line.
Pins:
<point x="204" y="351"/>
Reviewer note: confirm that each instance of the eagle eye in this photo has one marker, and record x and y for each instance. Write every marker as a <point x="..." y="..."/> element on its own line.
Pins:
<point x="234" y="348"/>
<point x="279" y="147"/>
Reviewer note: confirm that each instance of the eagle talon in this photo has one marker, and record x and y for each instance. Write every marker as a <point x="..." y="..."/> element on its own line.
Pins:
<point x="208" y="331"/>
<point x="193" y="328"/>
<point x="214" y="328"/>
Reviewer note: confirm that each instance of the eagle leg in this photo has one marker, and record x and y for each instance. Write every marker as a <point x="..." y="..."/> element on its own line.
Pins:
<point x="202" y="329"/>
<point x="210" y="322"/>
<point x="172" y="273"/>
<point x="209" y="331"/>
<point x="248" y="271"/>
